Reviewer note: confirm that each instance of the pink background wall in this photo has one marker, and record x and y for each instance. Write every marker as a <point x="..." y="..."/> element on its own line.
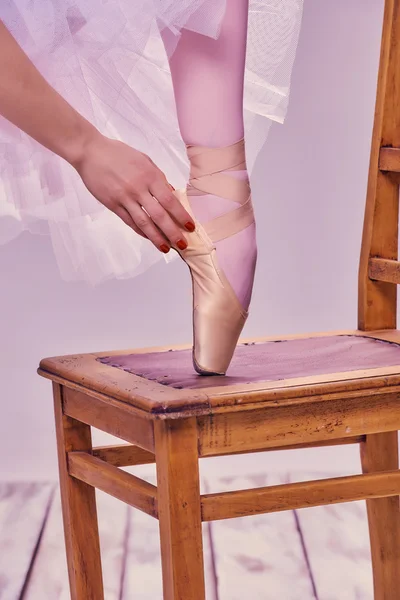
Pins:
<point x="309" y="188"/>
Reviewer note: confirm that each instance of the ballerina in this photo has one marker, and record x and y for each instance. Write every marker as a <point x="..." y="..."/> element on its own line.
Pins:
<point x="170" y="81"/>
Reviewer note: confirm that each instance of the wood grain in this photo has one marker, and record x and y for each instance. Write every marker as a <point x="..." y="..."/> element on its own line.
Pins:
<point x="389" y="335"/>
<point x="23" y="512"/>
<point x="377" y="299"/>
<point x="79" y="509"/>
<point x="109" y="415"/>
<point x="304" y="390"/>
<point x="179" y="509"/>
<point x="228" y="505"/>
<point x="87" y="373"/>
<point x="124" y="455"/>
<point x="227" y="433"/>
<point x="389" y="159"/>
<point x="378" y="453"/>
<point x="112" y="480"/>
<point x="381" y="269"/>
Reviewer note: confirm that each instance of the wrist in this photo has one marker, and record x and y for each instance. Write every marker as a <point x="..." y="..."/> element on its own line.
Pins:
<point x="74" y="149"/>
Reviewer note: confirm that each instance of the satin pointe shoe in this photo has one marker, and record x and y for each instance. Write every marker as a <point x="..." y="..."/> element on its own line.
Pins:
<point x="218" y="316"/>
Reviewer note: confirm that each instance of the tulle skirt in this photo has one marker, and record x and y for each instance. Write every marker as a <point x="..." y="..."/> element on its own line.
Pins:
<point x="106" y="57"/>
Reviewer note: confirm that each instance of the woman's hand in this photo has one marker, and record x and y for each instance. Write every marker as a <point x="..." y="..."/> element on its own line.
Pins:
<point x="123" y="179"/>
<point x="127" y="182"/>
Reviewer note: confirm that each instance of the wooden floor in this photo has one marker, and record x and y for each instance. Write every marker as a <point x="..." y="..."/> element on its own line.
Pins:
<point x="320" y="553"/>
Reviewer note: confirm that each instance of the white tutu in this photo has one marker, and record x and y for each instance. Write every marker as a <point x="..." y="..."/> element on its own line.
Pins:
<point x="106" y="57"/>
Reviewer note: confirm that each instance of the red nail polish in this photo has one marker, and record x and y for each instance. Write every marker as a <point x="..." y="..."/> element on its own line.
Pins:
<point x="190" y="226"/>
<point x="164" y="248"/>
<point x="182" y="245"/>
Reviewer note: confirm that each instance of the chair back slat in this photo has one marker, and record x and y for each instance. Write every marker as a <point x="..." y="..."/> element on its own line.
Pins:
<point x="377" y="292"/>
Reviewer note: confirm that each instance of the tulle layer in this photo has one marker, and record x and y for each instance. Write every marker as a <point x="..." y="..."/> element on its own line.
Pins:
<point x="106" y="57"/>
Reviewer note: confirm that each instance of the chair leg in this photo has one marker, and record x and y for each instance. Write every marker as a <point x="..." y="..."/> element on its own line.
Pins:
<point x="380" y="453"/>
<point x="79" y="509"/>
<point x="179" y="509"/>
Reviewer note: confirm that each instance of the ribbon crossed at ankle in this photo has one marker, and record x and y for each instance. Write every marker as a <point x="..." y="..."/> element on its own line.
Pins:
<point x="208" y="175"/>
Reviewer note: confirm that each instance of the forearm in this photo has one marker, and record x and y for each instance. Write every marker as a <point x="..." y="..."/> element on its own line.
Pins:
<point x="28" y="101"/>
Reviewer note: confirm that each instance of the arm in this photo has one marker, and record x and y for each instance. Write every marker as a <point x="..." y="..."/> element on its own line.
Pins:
<point x="31" y="104"/>
<point x="121" y="178"/>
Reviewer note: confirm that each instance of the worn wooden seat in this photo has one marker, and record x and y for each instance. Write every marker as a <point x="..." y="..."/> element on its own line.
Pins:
<point x="315" y="390"/>
<point x="337" y="388"/>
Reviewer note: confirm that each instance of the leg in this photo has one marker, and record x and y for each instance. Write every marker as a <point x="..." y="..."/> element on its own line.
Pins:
<point x="380" y="453"/>
<point x="79" y="510"/>
<point x="208" y="80"/>
<point x="179" y="509"/>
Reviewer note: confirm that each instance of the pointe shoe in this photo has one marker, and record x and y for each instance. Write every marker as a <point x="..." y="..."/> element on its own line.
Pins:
<point x="218" y="316"/>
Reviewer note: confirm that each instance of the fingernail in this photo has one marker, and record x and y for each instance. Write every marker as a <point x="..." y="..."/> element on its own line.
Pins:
<point x="190" y="226"/>
<point x="164" y="248"/>
<point x="182" y="245"/>
<point x="172" y="187"/>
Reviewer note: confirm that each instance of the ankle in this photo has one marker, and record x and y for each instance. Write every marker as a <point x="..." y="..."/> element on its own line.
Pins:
<point x="211" y="189"/>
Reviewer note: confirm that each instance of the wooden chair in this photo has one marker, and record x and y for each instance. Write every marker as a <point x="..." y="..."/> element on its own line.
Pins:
<point x="326" y="389"/>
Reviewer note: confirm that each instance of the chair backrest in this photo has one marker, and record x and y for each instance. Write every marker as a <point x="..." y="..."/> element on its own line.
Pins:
<point x="379" y="269"/>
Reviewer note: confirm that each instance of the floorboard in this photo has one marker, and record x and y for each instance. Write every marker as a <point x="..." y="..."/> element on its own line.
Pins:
<point x="336" y="541"/>
<point x="259" y="557"/>
<point x="49" y="576"/>
<point x="23" y="511"/>
<point x="311" y="554"/>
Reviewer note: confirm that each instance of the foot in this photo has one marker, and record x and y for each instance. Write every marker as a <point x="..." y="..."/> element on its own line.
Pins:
<point x="237" y="253"/>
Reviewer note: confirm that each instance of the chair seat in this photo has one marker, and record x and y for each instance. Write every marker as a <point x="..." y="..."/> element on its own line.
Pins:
<point x="273" y="370"/>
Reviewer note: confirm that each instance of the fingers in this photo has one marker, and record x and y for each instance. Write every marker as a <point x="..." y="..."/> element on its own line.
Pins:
<point x="146" y="225"/>
<point x="161" y="190"/>
<point x="164" y="222"/>
<point x="123" y="214"/>
<point x="156" y="214"/>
